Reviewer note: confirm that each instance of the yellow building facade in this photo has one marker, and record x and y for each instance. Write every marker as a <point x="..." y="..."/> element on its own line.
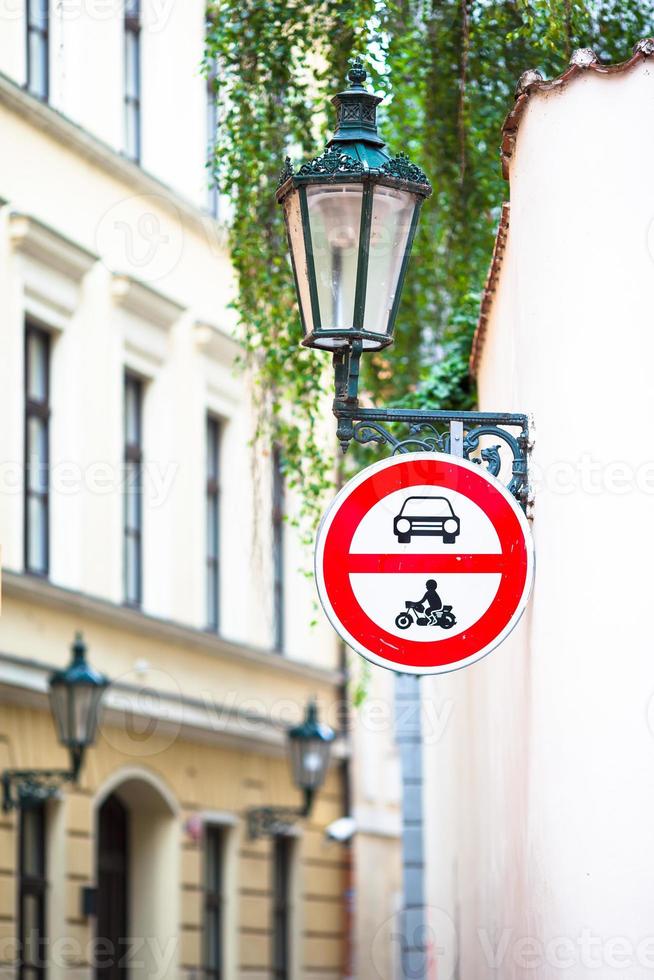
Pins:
<point x="190" y="590"/>
<point x="134" y="509"/>
<point x="183" y="769"/>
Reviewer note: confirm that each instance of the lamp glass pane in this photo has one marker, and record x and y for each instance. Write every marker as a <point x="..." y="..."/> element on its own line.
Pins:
<point x="83" y="704"/>
<point x="293" y="217"/>
<point x="59" y="709"/>
<point x="75" y="709"/>
<point x="309" y="760"/>
<point x="392" y="214"/>
<point x="335" y="220"/>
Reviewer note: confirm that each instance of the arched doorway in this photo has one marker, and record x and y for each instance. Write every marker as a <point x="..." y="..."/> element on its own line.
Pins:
<point x="138" y="879"/>
<point x="113" y="889"/>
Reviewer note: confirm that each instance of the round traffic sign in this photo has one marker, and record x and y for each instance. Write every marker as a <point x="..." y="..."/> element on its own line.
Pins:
<point x="424" y="563"/>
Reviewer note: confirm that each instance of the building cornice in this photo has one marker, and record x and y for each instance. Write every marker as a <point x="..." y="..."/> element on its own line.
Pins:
<point x="48" y="246"/>
<point x="25" y="682"/>
<point x="145" y="301"/>
<point x="44" y="593"/>
<point x="74" y="137"/>
<point x="216" y="342"/>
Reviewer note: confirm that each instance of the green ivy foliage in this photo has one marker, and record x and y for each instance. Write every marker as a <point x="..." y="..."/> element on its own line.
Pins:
<point x="448" y="69"/>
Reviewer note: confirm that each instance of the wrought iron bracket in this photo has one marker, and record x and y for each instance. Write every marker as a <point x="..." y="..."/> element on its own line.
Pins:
<point x="274" y="821"/>
<point x="28" y="787"/>
<point x="428" y="430"/>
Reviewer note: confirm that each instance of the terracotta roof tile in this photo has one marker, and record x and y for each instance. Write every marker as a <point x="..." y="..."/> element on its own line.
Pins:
<point x="489" y="288"/>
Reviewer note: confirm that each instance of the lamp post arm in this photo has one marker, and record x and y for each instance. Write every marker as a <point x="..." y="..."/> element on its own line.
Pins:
<point x="271" y="821"/>
<point x="405" y="430"/>
<point x="308" y="802"/>
<point x="22" y="787"/>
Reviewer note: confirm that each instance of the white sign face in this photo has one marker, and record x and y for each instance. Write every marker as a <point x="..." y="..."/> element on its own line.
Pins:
<point x="424" y="563"/>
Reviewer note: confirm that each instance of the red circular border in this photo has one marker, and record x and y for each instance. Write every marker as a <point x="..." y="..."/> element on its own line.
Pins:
<point x="450" y="650"/>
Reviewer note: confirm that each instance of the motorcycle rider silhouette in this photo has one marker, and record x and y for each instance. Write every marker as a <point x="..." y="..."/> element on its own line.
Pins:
<point x="431" y="601"/>
<point x="429" y="611"/>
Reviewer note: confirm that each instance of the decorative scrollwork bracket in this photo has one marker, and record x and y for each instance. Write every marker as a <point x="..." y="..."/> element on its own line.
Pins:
<point x="499" y="441"/>
<point x="27" y="787"/>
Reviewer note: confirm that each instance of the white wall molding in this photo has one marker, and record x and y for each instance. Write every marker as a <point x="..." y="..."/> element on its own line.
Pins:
<point x="144" y="301"/>
<point x="215" y="342"/>
<point x="49" y="246"/>
<point x="51" y="268"/>
<point x="131" y="774"/>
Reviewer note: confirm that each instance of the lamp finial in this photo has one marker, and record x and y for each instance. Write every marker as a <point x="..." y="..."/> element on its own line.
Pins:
<point x="79" y="646"/>
<point x="357" y="73"/>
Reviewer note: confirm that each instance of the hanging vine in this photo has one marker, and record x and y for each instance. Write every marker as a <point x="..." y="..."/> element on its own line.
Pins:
<point x="449" y="68"/>
<point x="273" y="64"/>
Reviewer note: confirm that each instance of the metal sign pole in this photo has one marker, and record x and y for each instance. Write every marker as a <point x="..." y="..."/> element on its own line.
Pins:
<point x="408" y="721"/>
<point x="408" y="726"/>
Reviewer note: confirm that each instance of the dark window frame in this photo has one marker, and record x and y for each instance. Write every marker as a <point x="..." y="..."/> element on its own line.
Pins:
<point x="43" y="33"/>
<point x="39" y="409"/>
<point x="32" y="885"/>
<point x="213" y="433"/>
<point x="132" y="102"/>
<point x="278" y="539"/>
<point x="214" y="900"/>
<point x="281" y="921"/>
<point x="133" y="454"/>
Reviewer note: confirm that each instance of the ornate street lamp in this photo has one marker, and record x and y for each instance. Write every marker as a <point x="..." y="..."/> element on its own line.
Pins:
<point x="351" y="216"/>
<point x="309" y="746"/>
<point x="75" y="696"/>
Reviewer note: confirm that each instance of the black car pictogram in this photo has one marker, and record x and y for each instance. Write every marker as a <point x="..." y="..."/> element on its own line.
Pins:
<point x="426" y="515"/>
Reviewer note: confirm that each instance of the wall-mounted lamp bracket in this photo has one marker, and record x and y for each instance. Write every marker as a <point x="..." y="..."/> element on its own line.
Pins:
<point x="28" y="787"/>
<point x="428" y="430"/>
<point x="275" y="821"/>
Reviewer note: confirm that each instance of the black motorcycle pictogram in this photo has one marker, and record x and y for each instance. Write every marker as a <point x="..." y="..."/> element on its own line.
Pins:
<point x="428" y="611"/>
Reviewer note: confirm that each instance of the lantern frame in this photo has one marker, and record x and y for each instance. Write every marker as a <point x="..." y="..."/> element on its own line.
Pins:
<point x="355" y="155"/>
<point x="77" y="678"/>
<point x="28" y="787"/>
<point x="310" y="736"/>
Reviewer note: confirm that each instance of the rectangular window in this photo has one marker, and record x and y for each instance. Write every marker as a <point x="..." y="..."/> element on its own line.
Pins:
<point x="132" y="58"/>
<point x="213" y="195"/>
<point x="213" y="901"/>
<point x="38" y="55"/>
<point x="32" y="889"/>
<point x="133" y="503"/>
<point x="281" y="907"/>
<point x="278" y="548"/>
<point x="213" y="523"/>
<point x="37" y="449"/>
